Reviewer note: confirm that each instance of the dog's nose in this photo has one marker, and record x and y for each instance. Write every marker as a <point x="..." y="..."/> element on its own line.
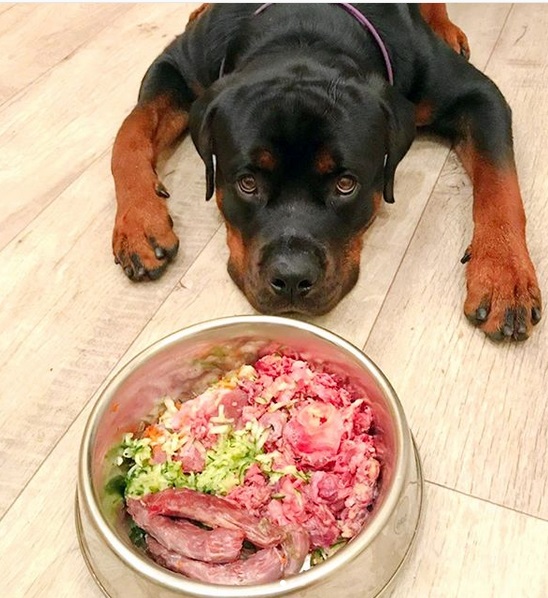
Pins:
<point x="294" y="276"/>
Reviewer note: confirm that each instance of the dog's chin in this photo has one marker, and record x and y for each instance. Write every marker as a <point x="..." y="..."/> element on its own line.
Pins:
<point x="295" y="310"/>
<point x="266" y="302"/>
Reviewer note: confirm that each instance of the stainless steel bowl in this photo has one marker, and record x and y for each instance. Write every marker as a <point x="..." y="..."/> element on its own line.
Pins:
<point x="184" y="361"/>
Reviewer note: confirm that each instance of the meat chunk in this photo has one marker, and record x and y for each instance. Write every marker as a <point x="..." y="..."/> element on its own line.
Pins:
<point x="215" y="546"/>
<point x="295" y="547"/>
<point x="215" y="512"/>
<point x="315" y="433"/>
<point x="264" y="566"/>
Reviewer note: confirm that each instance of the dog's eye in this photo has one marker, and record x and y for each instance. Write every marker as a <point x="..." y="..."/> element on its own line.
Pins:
<point x="247" y="184"/>
<point x="346" y="185"/>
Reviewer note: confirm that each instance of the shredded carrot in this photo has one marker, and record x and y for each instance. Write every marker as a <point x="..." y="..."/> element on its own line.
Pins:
<point x="153" y="432"/>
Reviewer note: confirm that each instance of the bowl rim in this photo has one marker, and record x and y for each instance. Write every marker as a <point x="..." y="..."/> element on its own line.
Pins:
<point x="177" y="583"/>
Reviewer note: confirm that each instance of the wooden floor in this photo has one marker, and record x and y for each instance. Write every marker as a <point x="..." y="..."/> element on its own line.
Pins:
<point x="69" y="318"/>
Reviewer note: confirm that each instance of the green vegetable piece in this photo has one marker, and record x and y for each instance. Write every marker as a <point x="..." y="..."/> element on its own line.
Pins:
<point x="137" y="536"/>
<point x="116" y="485"/>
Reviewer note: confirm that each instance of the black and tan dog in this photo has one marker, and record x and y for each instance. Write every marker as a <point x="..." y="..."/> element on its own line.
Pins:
<point x="291" y="108"/>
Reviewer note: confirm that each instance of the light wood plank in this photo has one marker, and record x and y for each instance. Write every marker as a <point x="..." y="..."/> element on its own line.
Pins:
<point x="470" y="548"/>
<point x="35" y="37"/>
<point x="482" y="406"/>
<point x="63" y="122"/>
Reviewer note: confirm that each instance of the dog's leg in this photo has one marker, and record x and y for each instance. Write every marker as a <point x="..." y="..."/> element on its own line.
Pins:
<point x="503" y="297"/>
<point x="198" y="12"/>
<point x="438" y="20"/>
<point x="143" y="239"/>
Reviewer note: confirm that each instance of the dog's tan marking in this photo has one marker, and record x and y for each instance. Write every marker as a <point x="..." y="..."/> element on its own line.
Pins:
<point x="324" y="162"/>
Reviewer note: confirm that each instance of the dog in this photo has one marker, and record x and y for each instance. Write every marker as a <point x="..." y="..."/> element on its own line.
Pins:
<point x="301" y="114"/>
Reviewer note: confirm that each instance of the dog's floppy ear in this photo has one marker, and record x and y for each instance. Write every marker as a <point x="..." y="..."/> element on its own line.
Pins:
<point x="400" y="114"/>
<point x="201" y="118"/>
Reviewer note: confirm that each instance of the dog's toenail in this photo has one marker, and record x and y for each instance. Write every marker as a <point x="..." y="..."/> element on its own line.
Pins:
<point x="161" y="191"/>
<point x="509" y="322"/>
<point x="481" y="314"/>
<point x="160" y="253"/>
<point x="536" y="315"/>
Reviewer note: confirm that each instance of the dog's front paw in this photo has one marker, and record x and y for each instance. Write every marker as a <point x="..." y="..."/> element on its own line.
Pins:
<point x="143" y="240"/>
<point x="503" y="297"/>
<point x="455" y="37"/>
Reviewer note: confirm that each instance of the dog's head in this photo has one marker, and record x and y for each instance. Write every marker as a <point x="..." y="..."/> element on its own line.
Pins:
<point x="299" y="161"/>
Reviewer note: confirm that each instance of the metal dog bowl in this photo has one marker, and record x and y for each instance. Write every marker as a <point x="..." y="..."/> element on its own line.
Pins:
<point x="185" y="361"/>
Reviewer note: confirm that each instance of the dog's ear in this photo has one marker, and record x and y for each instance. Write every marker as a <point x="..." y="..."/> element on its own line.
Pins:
<point x="200" y="123"/>
<point x="400" y="114"/>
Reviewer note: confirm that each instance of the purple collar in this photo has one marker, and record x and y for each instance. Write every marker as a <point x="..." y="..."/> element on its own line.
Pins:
<point x="363" y="21"/>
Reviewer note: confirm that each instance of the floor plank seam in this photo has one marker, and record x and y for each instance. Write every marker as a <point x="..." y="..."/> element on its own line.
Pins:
<point x="427" y="203"/>
<point x="487" y="501"/>
<point x="495" y="45"/>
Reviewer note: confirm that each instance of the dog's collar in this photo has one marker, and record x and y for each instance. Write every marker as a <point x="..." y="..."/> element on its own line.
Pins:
<point x="362" y="20"/>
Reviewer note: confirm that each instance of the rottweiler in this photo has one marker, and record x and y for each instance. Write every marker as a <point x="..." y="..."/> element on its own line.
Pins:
<point x="301" y="114"/>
